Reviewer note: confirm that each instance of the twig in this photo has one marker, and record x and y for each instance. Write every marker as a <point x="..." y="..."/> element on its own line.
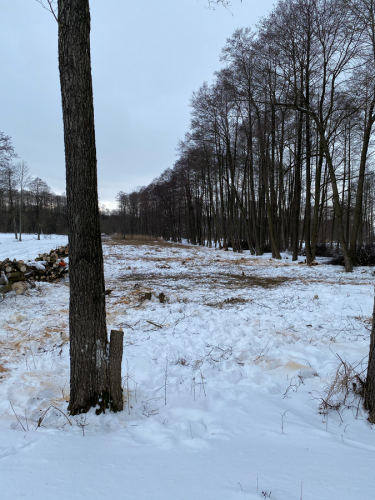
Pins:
<point x="152" y="323"/>
<point x="261" y="352"/>
<point x="282" y="420"/>
<point x="15" y="414"/>
<point x="293" y="386"/>
<point x="204" y="390"/>
<point x="83" y="424"/>
<point x="27" y="423"/>
<point x="165" y="380"/>
<point x="45" y="413"/>
<point x="192" y="437"/>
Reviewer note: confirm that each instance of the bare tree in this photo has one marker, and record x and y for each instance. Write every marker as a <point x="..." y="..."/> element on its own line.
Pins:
<point x="7" y="152"/>
<point x="278" y="150"/>
<point x="38" y="189"/>
<point x="7" y="172"/>
<point x="23" y="179"/>
<point x="362" y="14"/>
<point x="8" y="181"/>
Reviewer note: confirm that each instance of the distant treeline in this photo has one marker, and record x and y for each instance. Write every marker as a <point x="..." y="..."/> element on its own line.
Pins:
<point x="27" y="204"/>
<point x="278" y="153"/>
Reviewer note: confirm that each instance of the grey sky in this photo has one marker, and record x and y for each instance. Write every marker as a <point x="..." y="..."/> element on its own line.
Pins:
<point x="147" y="58"/>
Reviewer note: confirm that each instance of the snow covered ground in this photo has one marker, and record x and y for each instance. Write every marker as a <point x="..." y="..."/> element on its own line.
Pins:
<point x="222" y="381"/>
<point x="29" y="247"/>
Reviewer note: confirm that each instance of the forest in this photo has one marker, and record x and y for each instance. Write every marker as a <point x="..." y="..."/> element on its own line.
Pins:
<point x="278" y="155"/>
<point x="27" y="203"/>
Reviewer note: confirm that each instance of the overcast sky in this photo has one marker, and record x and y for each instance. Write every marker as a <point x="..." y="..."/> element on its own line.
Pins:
<point x="147" y="59"/>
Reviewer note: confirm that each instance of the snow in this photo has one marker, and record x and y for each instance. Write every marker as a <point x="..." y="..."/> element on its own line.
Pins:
<point x="30" y="247"/>
<point x="208" y="376"/>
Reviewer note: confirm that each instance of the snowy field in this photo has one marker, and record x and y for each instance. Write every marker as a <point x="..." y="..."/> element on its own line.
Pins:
<point x="222" y="382"/>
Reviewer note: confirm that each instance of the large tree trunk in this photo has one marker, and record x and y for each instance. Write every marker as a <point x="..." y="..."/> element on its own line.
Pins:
<point x="20" y="237"/>
<point x="370" y="381"/>
<point x="87" y="319"/>
<point x="361" y="181"/>
<point x="297" y="191"/>
<point x="309" y="258"/>
<point x="316" y="219"/>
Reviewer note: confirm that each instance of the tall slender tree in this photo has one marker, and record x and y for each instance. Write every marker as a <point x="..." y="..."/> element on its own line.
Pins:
<point x="87" y="317"/>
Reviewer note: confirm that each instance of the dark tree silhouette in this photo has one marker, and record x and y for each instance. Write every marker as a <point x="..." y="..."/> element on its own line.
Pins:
<point x="87" y="318"/>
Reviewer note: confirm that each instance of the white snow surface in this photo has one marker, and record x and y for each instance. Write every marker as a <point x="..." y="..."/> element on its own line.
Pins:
<point x="221" y="382"/>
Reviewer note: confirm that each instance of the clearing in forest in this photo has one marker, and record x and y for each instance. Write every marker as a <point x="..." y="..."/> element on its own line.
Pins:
<point x="224" y="368"/>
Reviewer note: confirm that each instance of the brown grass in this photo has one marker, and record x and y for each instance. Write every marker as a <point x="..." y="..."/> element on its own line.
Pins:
<point x="364" y="319"/>
<point x="3" y="372"/>
<point x="228" y="280"/>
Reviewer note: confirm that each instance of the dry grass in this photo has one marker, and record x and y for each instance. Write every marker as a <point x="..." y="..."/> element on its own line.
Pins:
<point x="3" y="372"/>
<point x="363" y="319"/>
<point x="233" y="301"/>
<point x="226" y="280"/>
<point x="345" y="389"/>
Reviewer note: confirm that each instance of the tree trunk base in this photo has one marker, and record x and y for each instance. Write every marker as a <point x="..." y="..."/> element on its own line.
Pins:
<point x="99" y="401"/>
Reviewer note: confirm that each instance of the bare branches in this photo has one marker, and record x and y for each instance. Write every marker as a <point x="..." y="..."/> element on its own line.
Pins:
<point x="7" y="152"/>
<point x="52" y="7"/>
<point x="225" y="3"/>
<point x="212" y="3"/>
<point x="346" y="388"/>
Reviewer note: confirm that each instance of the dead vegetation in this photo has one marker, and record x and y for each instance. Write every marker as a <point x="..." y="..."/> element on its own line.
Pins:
<point x="345" y="389"/>
<point x="220" y="279"/>
<point x="3" y="371"/>
<point x="233" y="301"/>
<point x="366" y="321"/>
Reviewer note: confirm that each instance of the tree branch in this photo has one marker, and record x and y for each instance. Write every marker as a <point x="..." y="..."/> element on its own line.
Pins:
<point x="50" y="8"/>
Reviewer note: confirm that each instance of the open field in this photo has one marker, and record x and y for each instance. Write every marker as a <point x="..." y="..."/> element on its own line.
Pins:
<point x="223" y="381"/>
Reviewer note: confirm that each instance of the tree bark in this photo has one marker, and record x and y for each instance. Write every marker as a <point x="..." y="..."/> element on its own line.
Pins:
<point x="361" y="181"/>
<point x="87" y="319"/>
<point x="316" y="219"/>
<point x="370" y="380"/>
<point x="297" y="190"/>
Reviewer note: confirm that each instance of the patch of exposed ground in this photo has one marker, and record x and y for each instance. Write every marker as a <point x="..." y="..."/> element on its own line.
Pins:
<point x="204" y="280"/>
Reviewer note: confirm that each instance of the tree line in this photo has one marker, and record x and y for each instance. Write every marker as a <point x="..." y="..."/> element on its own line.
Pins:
<point x="278" y="154"/>
<point x="27" y="203"/>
